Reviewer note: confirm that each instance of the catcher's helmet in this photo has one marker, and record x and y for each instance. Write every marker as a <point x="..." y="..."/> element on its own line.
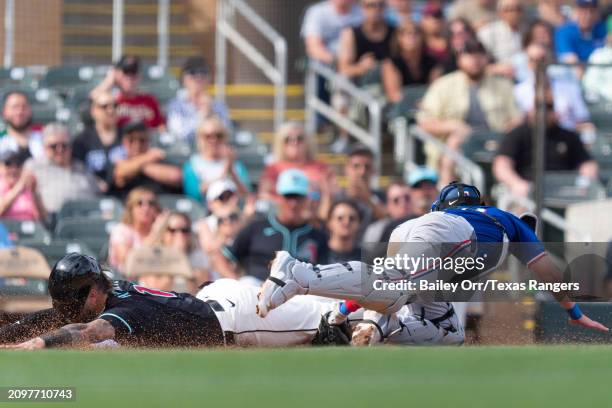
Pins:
<point x="457" y="195"/>
<point x="70" y="281"/>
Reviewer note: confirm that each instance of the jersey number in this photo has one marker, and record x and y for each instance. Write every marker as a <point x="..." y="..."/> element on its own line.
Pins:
<point x="153" y="292"/>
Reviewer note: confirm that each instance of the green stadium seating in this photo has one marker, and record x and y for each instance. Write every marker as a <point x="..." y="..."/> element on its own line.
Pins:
<point x="64" y="78"/>
<point x="106" y="208"/>
<point x="407" y="107"/>
<point x="564" y="188"/>
<point x="160" y="83"/>
<point x="45" y="102"/>
<point x="26" y="230"/>
<point x="482" y="146"/>
<point x="17" y="76"/>
<point x="601" y="116"/>
<point x="93" y="232"/>
<point x="175" y="202"/>
<point x="57" y="248"/>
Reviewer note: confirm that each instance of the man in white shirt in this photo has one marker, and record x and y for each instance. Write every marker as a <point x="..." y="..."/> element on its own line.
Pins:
<point x="502" y="38"/>
<point x="17" y="114"/>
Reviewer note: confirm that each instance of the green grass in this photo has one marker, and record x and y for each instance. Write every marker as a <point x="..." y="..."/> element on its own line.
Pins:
<point x="555" y="376"/>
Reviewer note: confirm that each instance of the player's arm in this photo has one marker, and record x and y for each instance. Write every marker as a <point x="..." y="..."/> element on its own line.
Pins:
<point x="548" y="272"/>
<point x="76" y="334"/>
<point x="31" y="325"/>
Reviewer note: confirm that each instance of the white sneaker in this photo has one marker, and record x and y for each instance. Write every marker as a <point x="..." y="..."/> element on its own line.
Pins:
<point x="280" y="285"/>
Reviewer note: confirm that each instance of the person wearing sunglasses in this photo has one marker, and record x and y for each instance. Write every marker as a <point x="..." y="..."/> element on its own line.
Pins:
<point x="59" y="177"/>
<point x="214" y="160"/>
<point x="342" y="226"/>
<point x="143" y="165"/>
<point x="132" y="103"/>
<point x="143" y="223"/>
<point x="98" y="146"/>
<point x="287" y="228"/>
<point x="399" y="206"/>
<point x="184" y="111"/>
<point x="19" y="197"/>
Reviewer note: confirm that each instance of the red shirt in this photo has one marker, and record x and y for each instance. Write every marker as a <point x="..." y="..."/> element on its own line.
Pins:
<point x="138" y="107"/>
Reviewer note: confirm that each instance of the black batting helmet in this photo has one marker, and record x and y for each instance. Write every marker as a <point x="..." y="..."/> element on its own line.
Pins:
<point x="70" y="281"/>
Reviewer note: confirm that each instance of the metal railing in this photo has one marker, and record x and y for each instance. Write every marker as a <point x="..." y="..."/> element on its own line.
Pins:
<point x="371" y="136"/>
<point x="227" y="31"/>
<point x="117" y="29"/>
<point x="405" y="138"/>
<point x="9" y="33"/>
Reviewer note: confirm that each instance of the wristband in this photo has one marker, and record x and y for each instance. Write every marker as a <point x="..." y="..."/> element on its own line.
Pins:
<point x="575" y="313"/>
<point x="343" y="309"/>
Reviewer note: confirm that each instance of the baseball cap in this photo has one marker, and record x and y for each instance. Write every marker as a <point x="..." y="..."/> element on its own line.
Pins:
<point x="13" y="156"/>
<point x="217" y="188"/>
<point x="473" y="47"/>
<point x="587" y="3"/>
<point x="129" y="64"/>
<point x="421" y="174"/>
<point x="195" y="65"/>
<point x="292" y="181"/>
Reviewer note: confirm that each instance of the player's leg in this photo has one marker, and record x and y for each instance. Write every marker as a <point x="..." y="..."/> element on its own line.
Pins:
<point x="351" y="280"/>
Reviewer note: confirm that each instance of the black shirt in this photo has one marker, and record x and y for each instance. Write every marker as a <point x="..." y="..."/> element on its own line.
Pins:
<point x="427" y="64"/>
<point x="564" y="150"/>
<point x="142" y="180"/>
<point x="380" y="49"/>
<point x="97" y="157"/>
<point x="257" y="243"/>
<point x="154" y="318"/>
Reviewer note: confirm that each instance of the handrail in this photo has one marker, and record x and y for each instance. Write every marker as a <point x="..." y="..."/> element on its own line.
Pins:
<point x="226" y="31"/>
<point x="163" y="36"/>
<point x="371" y="136"/>
<point x="9" y="33"/>
<point x="405" y="151"/>
<point x="118" y="10"/>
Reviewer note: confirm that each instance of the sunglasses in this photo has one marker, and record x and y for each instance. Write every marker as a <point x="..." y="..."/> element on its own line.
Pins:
<point x="399" y="199"/>
<point x="141" y="140"/>
<point x="233" y="217"/>
<point x="147" y="203"/>
<point x="182" y="230"/>
<point x="58" y="146"/>
<point x="225" y="196"/>
<point x="213" y="136"/>
<point x="374" y="5"/>
<point x="107" y="106"/>
<point x="295" y="139"/>
<point x="298" y="197"/>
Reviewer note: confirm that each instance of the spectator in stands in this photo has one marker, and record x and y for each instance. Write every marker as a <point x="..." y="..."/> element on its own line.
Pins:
<point x="142" y="224"/>
<point x="476" y="12"/>
<point x="294" y="148"/>
<point x="323" y="23"/>
<point x="19" y="197"/>
<point x="434" y="27"/>
<point x="423" y="192"/>
<point x="142" y="165"/>
<point x="570" y="107"/>
<point x="513" y="165"/>
<point x="577" y="39"/>
<point x="288" y="229"/>
<point x="596" y="76"/>
<point x="458" y="33"/>
<point x="193" y="103"/>
<point x="132" y="104"/>
<point x="466" y="100"/>
<point x="409" y="63"/>
<point x="20" y="134"/>
<point x="99" y="146"/>
<point x="60" y="178"/>
<point x="399" y="206"/>
<point x="362" y="48"/>
<point x="538" y="32"/>
<point x="343" y="224"/>
<point x="550" y="12"/>
<point x="215" y="160"/>
<point x="179" y="235"/>
<point x="502" y="37"/>
<point x="359" y="170"/>
<point x="399" y="12"/>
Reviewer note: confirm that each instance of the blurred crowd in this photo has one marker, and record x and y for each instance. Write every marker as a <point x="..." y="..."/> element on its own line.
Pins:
<point x="476" y="59"/>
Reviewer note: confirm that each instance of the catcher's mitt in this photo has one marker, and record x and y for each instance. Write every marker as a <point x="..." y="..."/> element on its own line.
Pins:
<point x="332" y="335"/>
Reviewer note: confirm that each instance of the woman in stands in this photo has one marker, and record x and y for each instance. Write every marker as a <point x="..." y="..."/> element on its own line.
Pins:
<point x="19" y="198"/>
<point x="459" y="32"/>
<point x="295" y="149"/>
<point x="409" y="63"/>
<point x="142" y="224"/>
<point x="215" y="160"/>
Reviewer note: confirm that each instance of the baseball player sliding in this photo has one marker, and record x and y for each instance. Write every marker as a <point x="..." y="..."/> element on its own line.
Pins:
<point x="459" y="225"/>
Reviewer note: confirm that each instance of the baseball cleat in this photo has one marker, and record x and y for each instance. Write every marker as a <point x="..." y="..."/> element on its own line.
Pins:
<point x="280" y="285"/>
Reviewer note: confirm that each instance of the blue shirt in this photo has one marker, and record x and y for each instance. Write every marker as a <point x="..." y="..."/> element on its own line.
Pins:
<point x="5" y="241"/>
<point x="488" y="222"/>
<point x="569" y="40"/>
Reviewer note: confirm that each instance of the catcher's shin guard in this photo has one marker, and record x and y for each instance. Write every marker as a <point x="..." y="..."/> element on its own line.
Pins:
<point x="354" y="281"/>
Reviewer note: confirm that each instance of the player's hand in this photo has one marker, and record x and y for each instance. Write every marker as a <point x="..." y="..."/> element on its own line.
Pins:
<point x="587" y="322"/>
<point x="34" y="344"/>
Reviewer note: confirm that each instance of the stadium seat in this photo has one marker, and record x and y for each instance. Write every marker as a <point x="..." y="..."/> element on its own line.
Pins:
<point x="251" y="152"/>
<point x="160" y="83"/>
<point x="601" y="116"/>
<point x="106" y="208"/>
<point x="26" y="230"/>
<point x="564" y="188"/>
<point x="23" y="280"/>
<point x="93" y="232"/>
<point x="16" y="77"/>
<point x="64" y="78"/>
<point x="182" y="203"/>
<point x="482" y="146"/>
<point x="57" y="248"/>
